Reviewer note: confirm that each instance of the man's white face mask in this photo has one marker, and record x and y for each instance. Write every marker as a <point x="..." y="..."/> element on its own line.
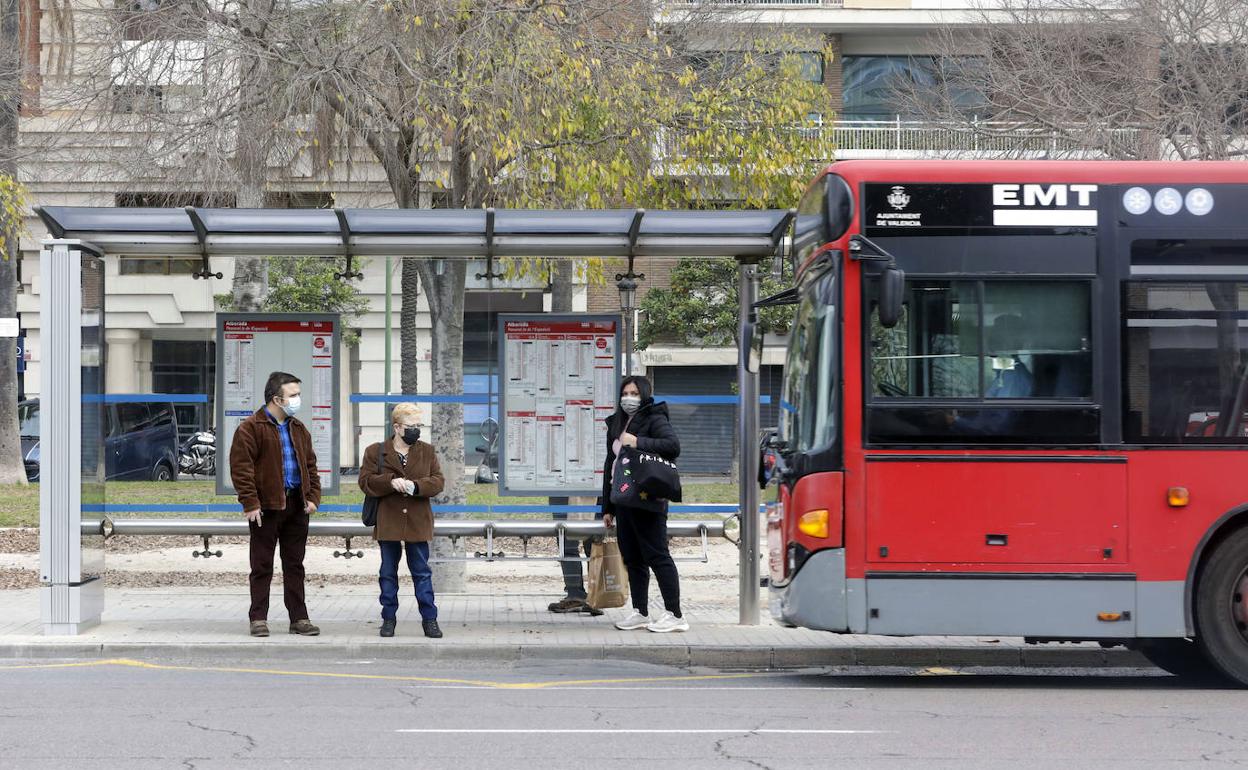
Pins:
<point x="1000" y="363"/>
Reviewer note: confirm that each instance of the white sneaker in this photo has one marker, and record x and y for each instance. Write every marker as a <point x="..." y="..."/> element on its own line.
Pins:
<point x="633" y="622"/>
<point x="667" y="623"/>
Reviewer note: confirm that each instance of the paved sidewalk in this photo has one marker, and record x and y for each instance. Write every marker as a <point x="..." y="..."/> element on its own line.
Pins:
<point x="493" y="627"/>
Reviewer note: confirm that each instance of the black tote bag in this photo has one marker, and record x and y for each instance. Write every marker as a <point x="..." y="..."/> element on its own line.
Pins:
<point x="626" y="487"/>
<point x="657" y="476"/>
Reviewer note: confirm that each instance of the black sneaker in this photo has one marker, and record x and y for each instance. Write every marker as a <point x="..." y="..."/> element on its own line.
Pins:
<point x="431" y="629"/>
<point x="387" y="627"/>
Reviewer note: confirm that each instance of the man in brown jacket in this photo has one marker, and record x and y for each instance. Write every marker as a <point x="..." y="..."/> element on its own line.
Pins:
<point x="273" y="468"/>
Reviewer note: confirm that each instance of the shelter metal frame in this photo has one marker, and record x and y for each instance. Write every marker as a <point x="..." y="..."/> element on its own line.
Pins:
<point x="73" y="599"/>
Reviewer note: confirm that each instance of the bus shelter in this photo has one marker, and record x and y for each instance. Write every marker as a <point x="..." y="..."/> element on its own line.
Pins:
<point x="73" y="330"/>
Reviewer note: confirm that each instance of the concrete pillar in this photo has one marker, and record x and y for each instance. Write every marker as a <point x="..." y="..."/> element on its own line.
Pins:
<point x="123" y="366"/>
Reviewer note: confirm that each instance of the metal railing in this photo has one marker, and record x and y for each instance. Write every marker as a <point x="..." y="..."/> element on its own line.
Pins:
<point x="804" y="3"/>
<point x="976" y="137"/>
<point x="452" y="529"/>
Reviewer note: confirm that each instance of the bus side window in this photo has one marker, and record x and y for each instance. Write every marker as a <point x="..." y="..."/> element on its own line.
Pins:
<point x="1186" y="380"/>
<point x="991" y="361"/>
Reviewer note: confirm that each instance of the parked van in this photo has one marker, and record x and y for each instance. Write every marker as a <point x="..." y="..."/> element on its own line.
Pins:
<point x="140" y="441"/>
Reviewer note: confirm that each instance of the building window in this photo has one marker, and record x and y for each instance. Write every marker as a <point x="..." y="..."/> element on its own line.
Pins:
<point x="166" y="265"/>
<point x="132" y="99"/>
<point x="726" y="62"/>
<point x="875" y="87"/>
<point x="299" y="200"/>
<point x="157" y="20"/>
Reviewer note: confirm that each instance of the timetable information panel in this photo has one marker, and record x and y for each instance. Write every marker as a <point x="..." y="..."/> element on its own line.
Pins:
<point x="559" y="382"/>
<point x="249" y="347"/>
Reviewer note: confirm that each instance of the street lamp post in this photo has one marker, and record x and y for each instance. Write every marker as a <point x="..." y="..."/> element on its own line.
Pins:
<point x="627" y="284"/>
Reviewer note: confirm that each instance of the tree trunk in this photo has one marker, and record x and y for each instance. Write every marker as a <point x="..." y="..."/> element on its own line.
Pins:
<point x="445" y="295"/>
<point x="561" y="286"/>
<point x="251" y="275"/>
<point x="12" y="470"/>
<point x="410" y="350"/>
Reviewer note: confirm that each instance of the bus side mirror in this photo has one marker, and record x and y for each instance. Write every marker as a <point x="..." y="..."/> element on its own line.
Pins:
<point x="892" y="291"/>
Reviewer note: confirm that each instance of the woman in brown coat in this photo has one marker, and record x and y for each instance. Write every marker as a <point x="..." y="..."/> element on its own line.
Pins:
<point x="407" y="477"/>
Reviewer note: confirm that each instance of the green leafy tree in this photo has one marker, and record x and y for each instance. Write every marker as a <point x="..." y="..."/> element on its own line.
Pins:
<point x="700" y="308"/>
<point x="308" y="285"/>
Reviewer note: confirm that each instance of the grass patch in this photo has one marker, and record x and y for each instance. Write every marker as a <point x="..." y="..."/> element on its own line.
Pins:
<point x="19" y="505"/>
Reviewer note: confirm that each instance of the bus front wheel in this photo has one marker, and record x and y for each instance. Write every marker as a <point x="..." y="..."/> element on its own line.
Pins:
<point x="1222" y="607"/>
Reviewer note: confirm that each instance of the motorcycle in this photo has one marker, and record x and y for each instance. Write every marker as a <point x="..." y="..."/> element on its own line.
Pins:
<point x="197" y="455"/>
<point x="489" y="455"/>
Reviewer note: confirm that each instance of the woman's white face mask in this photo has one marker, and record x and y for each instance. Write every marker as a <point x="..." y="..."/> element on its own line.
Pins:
<point x="630" y="404"/>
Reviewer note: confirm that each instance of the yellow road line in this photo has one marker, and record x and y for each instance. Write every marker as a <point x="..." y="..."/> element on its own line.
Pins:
<point x="129" y="663"/>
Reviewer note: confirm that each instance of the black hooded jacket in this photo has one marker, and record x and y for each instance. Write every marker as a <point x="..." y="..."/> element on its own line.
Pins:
<point x="654" y="432"/>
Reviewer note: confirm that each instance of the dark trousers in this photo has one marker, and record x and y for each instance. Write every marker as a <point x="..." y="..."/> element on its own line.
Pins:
<point x="288" y="531"/>
<point x="643" y="546"/>
<point x="422" y="577"/>
<point x="573" y="575"/>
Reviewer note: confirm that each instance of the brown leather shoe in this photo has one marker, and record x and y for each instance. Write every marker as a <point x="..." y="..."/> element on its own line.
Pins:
<point x="304" y="628"/>
<point x="568" y="605"/>
<point x="259" y="628"/>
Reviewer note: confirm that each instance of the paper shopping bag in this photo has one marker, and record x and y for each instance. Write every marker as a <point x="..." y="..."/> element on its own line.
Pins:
<point x="608" y="580"/>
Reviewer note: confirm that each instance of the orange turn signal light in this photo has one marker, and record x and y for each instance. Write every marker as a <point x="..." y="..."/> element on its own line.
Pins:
<point x="1178" y="497"/>
<point x="1109" y="617"/>
<point x="814" y="523"/>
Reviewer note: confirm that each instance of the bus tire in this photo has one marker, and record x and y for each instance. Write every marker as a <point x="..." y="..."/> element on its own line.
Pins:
<point x="1221" y="607"/>
<point x="1181" y="657"/>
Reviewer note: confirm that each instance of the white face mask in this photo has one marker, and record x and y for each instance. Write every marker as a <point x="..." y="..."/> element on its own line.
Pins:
<point x="291" y="407"/>
<point x="630" y="404"/>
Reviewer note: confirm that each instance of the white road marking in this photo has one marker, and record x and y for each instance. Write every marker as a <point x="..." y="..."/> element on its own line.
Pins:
<point x="632" y="731"/>
<point x="709" y="688"/>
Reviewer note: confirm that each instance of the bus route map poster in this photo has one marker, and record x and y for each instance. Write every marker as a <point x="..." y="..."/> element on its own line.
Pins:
<point x="249" y="347"/>
<point x="559" y="378"/>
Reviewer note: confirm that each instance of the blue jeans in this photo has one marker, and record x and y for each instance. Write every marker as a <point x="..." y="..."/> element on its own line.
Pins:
<point x="422" y="576"/>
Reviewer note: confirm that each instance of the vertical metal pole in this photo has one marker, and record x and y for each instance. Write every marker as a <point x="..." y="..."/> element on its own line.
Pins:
<point x="747" y="462"/>
<point x="71" y="589"/>
<point x="628" y="341"/>
<point x="389" y="299"/>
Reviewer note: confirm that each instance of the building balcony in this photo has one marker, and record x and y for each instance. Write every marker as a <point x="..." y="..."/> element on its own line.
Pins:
<point x="897" y="138"/>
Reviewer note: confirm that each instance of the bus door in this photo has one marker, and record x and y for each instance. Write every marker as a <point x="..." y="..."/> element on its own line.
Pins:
<point x="981" y="423"/>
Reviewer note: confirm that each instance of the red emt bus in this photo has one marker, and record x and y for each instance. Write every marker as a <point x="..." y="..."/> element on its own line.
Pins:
<point x="1016" y="403"/>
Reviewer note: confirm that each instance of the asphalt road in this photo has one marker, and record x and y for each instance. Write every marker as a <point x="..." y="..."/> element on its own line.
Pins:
<point x="201" y="714"/>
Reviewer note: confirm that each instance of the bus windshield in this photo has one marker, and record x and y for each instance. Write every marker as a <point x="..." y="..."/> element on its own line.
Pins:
<point x="809" y="406"/>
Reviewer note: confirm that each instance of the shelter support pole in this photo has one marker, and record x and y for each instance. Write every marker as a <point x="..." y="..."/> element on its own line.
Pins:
<point x="71" y="443"/>
<point x="747" y="463"/>
<point x="389" y="302"/>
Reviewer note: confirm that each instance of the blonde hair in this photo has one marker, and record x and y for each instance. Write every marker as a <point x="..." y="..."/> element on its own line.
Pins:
<point x="402" y="411"/>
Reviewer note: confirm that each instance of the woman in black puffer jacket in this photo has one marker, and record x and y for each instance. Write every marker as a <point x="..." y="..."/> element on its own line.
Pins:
<point x="640" y="422"/>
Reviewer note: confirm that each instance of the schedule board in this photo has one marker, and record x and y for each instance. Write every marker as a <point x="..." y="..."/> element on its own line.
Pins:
<point x="559" y="378"/>
<point x="250" y="346"/>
